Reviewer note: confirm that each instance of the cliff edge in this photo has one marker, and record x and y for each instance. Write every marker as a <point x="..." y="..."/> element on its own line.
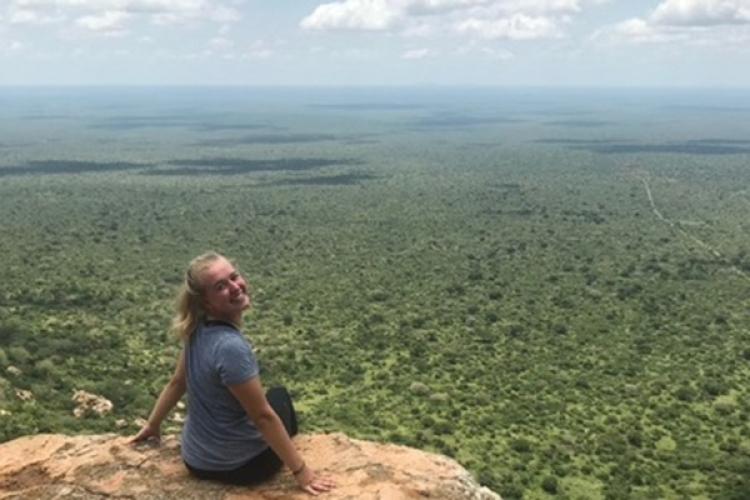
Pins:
<point x="102" y="466"/>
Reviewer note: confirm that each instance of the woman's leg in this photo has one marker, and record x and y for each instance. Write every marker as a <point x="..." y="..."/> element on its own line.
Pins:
<point x="281" y="402"/>
<point x="257" y="470"/>
<point x="267" y="463"/>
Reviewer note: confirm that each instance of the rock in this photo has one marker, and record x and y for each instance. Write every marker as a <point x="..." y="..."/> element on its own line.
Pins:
<point x="13" y="371"/>
<point x="24" y="395"/>
<point x="90" y="404"/>
<point x="99" y="466"/>
<point x="121" y="423"/>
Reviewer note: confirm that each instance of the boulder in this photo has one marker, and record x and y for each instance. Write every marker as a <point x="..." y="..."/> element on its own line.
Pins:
<point x="101" y="466"/>
<point x="90" y="404"/>
<point x="24" y="395"/>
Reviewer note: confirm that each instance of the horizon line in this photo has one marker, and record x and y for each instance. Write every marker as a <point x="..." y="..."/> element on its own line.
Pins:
<point x="377" y="86"/>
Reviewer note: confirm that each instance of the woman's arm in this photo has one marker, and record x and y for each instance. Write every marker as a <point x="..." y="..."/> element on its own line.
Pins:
<point x="251" y="396"/>
<point x="168" y="398"/>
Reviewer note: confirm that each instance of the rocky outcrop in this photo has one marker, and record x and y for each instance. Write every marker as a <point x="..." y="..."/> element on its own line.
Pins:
<point x="90" y="404"/>
<point x="102" y="466"/>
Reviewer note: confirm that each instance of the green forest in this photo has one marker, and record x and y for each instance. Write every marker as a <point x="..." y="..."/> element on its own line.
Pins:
<point x="558" y="301"/>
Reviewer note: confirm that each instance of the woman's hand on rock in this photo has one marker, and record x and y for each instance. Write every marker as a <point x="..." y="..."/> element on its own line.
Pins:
<point x="313" y="483"/>
<point x="147" y="433"/>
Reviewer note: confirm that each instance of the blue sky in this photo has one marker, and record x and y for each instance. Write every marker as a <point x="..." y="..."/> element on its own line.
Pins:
<point x="376" y="42"/>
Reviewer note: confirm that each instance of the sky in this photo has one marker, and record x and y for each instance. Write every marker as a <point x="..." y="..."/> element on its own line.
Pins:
<point x="685" y="43"/>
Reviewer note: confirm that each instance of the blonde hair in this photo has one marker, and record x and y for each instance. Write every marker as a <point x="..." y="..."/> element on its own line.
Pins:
<point x="189" y="306"/>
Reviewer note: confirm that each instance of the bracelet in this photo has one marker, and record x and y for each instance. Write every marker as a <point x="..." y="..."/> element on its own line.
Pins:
<point x="301" y="468"/>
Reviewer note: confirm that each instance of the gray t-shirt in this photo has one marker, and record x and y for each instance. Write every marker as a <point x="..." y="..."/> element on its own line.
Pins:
<point x="218" y="434"/>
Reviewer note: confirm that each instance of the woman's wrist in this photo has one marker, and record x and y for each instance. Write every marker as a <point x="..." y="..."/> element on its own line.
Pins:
<point x="298" y="470"/>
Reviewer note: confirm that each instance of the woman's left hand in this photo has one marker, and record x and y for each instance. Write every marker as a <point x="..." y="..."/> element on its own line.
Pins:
<point x="312" y="483"/>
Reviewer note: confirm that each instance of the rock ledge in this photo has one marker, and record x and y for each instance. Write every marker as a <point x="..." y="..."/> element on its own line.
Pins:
<point x="104" y="466"/>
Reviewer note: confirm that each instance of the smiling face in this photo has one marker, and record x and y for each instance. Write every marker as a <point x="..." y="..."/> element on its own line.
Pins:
<point x="225" y="294"/>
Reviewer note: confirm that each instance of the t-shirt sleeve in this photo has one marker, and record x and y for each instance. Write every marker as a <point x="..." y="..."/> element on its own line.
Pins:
<point x="236" y="362"/>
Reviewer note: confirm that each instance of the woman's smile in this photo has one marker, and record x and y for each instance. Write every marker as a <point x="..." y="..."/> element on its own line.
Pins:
<point x="226" y="291"/>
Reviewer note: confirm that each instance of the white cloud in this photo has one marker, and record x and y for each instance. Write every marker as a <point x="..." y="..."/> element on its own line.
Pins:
<point x="487" y="19"/>
<point x="377" y="15"/>
<point x="475" y="47"/>
<point x="220" y="43"/>
<point x="95" y="13"/>
<point x="108" y="22"/>
<point x="10" y="48"/>
<point x="416" y="54"/>
<point x="429" y="7"/>
<point x="695" y="22"/>
<point x="259" y="49"/>
<point x="370" y="15"/>
<point x="516" y="27"/>
<point x="701" y="12"/>
<point x="419" y="30"/>
<point x="227" y="49"/>
<point x="198" y="11"/>
<point x="539" y="7"/>
<point x="167" y="18"/>
<point x="637" y="30"/>
<point x="492" y="7"/>
<point x="133" y="6"/>
<point x="13" y="46"/>
<point x="24" y="16"/>
<point x="536" y="7"/>
<point x="222" y="14"/>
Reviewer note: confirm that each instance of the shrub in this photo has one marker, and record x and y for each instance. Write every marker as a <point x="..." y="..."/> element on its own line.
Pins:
<point x="515" y="331"/>
<point x="378" y="296"/>
<point x="549" y="484"/>
<point x="521" y="445"/>
<point x="510" y="491"/>
<point x="715" y="387"/>
<point x="19" y="354"/>
<point x="10" y="331"/>
<point x="45" y="367"/>
<point x="685" y="393"/>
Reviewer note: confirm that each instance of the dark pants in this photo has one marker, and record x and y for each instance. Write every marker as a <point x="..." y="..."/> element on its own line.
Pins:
<point x="265" y="465"/>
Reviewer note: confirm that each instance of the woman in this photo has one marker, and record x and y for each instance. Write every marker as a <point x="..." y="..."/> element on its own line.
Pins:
<point x="218" y="369"/>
